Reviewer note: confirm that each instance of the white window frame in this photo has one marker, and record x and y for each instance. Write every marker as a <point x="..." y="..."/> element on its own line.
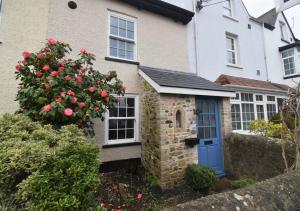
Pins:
<point x="134" y="41"/>
<point x="235" y="51"/>
<point x="294" y="56"/>
<point x="283" y="31"/>
<point x="255" y="103"/>
<point x="136" y="124"/>
<point x="228" y="9"/>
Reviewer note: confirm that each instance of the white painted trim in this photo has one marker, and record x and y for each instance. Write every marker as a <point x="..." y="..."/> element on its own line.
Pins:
<point x="185" y="91"/>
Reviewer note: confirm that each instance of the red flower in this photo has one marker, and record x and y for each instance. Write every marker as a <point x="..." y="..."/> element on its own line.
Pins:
<point x="104" y="93"/>
<point x="60" y="69"/>
<point x="46" y="68"/>
<point x="68" y="78"/>
<point x="62" y="94"/>
<point x="139" y="196"/>
<point x="70" y="92"/>
<point x="58" y="99"/>
<point x="68" y="112"/>
<point x="52" y="41"/>
<point x="97" y="108"/>
<point x="38" y="73"/>
<point x="82" y="50"/>
<point x="47" y="108"/>
<point x="81" y="104"/>
<point x="40" y="56"/>
<point x="26" y="54"/>
<point x="79" y="79"/>
<point x="74" y="100"/>
<point x="19" y="67"/>
<point x="106" y="99"/>
<point x="47" y="87"/>
<point x="83" y="69"/>
<point x="47" y="50"/>
<point x="92" y="89"/>
<point x="61" y="64"/>
<point x="54" y="73"/>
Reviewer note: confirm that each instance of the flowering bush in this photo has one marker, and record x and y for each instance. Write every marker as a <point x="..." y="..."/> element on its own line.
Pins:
<point x="60" y="91"/>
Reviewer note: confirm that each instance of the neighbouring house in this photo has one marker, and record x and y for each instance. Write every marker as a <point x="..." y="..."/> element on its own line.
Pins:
<point x="167" y="109"/>
<point x="257" y="57"/>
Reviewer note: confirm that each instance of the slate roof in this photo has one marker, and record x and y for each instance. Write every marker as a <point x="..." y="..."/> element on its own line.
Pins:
<point x="169" y="78"/>
<point x="234" y="81"/>
<point x="163" y="8"/>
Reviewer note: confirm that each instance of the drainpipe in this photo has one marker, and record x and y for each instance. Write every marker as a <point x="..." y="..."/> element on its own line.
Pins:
<point x="265" y="52"/>
<point x="195" y="37"/>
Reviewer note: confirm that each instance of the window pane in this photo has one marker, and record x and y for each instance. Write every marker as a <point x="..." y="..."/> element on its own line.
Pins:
<point x="130" y="102"/>
<point x="260" y="112"/>
<point x="130" y="34"/>
<point x="121" y="53"/>
<point x="129" y="46"/>
<point x="129" y="55"/>
<point x="121" y="134"/>
<point x="130" y="112"/>
<point x="130" y="124"/>
<point x="129" y="134"/>
<point x="121" y="124"/>
<point x="113" y="112"/>
<point x="259" y="98"/>
<point x="248" y="114"/>
<point x="113" y="52"/>
<point x="122" y="112"/>
<point x="113" y="124"/>
<point x="236" y="116"/>
<point x="113" y="21"/>
<point x="122" y="24"/>
<point x="130" y="26"/>
<point x="213" y="132"/>
<point x="112" y="134"/>
<point x="271" y="98"/>
<point x="122" y="32"/>
<point x="271" y="110"/>
<point x="114" y="30"/>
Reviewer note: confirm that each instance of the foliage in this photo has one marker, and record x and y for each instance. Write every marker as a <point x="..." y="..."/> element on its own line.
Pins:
<point x="57" y="90"/>
<point x="200" y="178"/>
<point x="151" y="180"/>
<point x="270" y="129"/>
<point x="44" y="169"/>
<point x="288" y="118"/>
<point x="242" y="182"/>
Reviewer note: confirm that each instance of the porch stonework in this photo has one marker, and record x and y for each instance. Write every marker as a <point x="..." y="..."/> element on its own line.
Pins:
<point x="164" y="153"/>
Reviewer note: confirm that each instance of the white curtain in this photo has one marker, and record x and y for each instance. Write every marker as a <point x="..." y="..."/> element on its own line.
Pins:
<point x="282" y="5"/>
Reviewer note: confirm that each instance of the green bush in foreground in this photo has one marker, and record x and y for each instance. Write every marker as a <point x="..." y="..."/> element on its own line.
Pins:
<point x="242" y="183"/>
<point x="200" y="178"/>
<point x="44" y="169"/>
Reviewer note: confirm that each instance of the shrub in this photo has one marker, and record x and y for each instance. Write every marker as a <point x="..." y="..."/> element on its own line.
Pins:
<point x="59" y="91"/>
<point x="44" y="169"/>
<point x="242" y="183"/>
<point x="289" y="120"/>
<point x="200" y="178"/>
<point x="269" y="129"/>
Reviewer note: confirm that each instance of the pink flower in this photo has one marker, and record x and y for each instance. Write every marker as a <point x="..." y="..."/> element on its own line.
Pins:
<point x="47" y="87"/>
<point x="18" y="67"/>
<point x="38" y="73"/>
<point x="92" y="89"/>
<point x="74" y="100"/>
<point x="26" y="54"/>
<point x="102" y="205"/>
<point x="58" y="99"/>
<point x="139" y="196"/>
<point x="54" y="73"/>
<point x="123" y="88"/>
<point x="68" y="78"/>
<point x="83" y="69"/>
<point x="82" y="50"/>
<point x="40" y="56"/>
<point x="46" y="68"/>
<point x="106" y="99"/>
<point x="52" y="41"/>
<point x="97" y="108"/>
<point x="79" y="79"/>
<point x="60" y="69"/>
<point x="62" y="64"/>
<point x="62" y="94"/>
<point x="71" y="93"/>
<point x="68" y="112"/>
<point x="81" y="104"/>
<point x="47" y="108"/>
<point x="103" y="93"/>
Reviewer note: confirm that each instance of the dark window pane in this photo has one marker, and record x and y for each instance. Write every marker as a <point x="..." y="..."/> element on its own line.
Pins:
<point x="130" y="112"/>
<point x="129" y="134"/>
<point x="130" y="123"/>
<point x="201" y="133"/>
<point x="113" y="124"/>
<point x="130" y="102"/>
<point x="121" y="134"/>
<point x="205" y="108"/>
<point x="213" y="120"/>
<point x="213" y="132"/>
<point x="206" y="120"/>
<point x="112" y="134"/>
<point x="113" y="112"/>
<point x="122" y="102"/>
<point x="121" y="124"/>
<point x="212" y="108"/>
<point x="122" y="112"/>
<point x="207" y="132"/>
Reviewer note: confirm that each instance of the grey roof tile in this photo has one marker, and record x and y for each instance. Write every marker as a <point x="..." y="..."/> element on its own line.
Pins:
<point x="169" y="78"/>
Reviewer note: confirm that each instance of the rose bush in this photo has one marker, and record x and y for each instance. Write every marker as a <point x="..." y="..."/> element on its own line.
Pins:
<point x="57" y="90"/>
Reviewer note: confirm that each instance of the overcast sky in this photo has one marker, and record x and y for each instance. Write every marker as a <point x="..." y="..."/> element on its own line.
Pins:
<point x="258" y="7"/>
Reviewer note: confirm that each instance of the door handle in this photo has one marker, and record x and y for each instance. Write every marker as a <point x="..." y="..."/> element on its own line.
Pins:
<point x="210" y="142"/>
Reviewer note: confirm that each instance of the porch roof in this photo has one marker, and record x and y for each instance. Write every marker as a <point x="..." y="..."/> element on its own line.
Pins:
<point x="175" y="82"/>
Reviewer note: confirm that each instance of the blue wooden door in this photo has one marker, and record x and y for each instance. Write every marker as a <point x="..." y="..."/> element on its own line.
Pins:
<point x="210" y="151"/>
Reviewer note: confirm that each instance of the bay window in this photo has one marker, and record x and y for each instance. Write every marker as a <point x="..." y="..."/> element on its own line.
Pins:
<point x="122" y="121"/>
<point x="291" y="61"/>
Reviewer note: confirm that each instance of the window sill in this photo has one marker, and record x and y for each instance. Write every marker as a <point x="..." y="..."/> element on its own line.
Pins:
<point x="234" y="66"/>
<point x="107" y="146"/>
<point x="121" y="60"/>
<point x="291" y="76"/>
<point x="231" y="18"/>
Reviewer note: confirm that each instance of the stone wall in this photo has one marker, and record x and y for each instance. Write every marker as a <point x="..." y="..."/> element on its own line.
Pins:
<point x="175" y="155"/>
<point x="254" y="156"/>
<point x="279" y="193"/>
<point x="226" y="117"/>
